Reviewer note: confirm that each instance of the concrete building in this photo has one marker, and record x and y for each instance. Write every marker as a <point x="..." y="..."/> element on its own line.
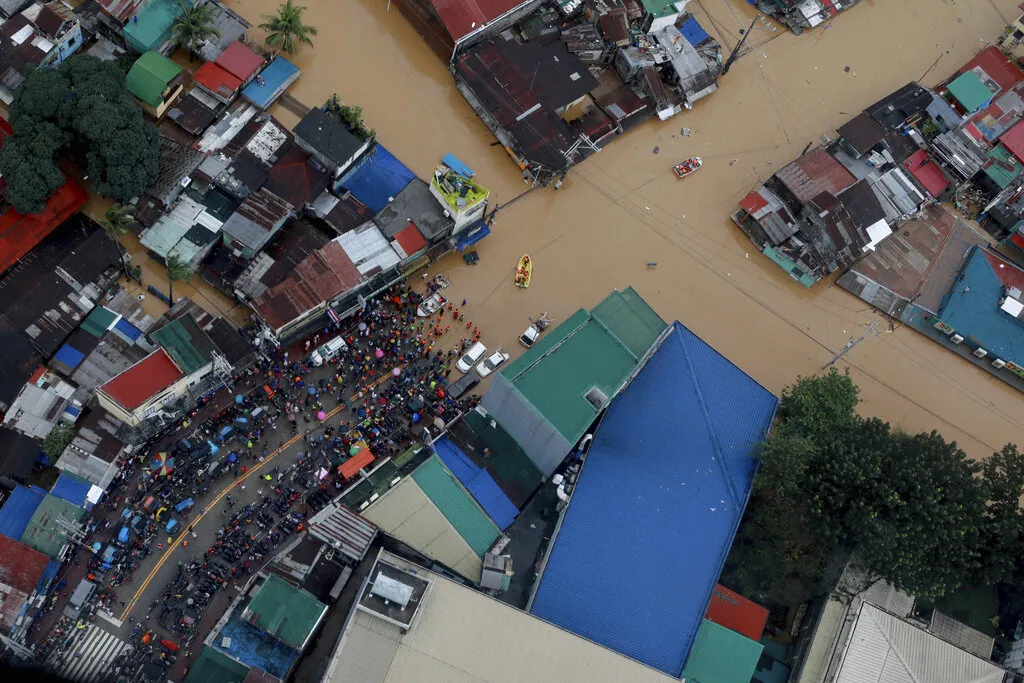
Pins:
<point x="155" y="82"/>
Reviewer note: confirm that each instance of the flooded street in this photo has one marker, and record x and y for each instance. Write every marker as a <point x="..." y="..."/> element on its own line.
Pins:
<point x="623" y="208"/>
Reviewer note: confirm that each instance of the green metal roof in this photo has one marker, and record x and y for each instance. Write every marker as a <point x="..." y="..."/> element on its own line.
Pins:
<point x="152" y="25"/>
<point x="213" y="666"/>
<point x="969" y="91"/>
<point x="720" y="655"/>
<point x="457" y="505"/>
<point x="660" y="8"/>
<point x="1002" y="167"/>
<point x="508" y="463"/>
<point x="188" y="345"/>
<point x="149" y="77"/>
<point x="43" y="532"/>
<point x="289" y="614"/>
<point x="99" y="321"/>
<point x="599" y="349"/>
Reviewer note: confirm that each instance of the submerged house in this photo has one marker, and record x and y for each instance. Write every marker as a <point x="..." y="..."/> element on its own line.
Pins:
<point x="450" y="27"/>
<point x="801" y="14"/>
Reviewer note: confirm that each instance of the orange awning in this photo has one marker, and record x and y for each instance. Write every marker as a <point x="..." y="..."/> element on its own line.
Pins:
<point x="350" y="467"/>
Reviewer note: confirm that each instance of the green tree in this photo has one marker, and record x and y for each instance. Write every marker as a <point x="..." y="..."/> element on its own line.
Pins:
<point x="81" y="111"/>
<point x="177" y="269"/>
<point x="58" y="439"/>
<point x="193" y="26"/>
<point x="116" y="220"/>
<point x="285" y="30"/>
<point x="350" y="116"/>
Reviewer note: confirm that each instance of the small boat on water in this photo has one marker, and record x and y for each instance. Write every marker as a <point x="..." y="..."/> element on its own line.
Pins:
<point x="523" y="272"/>
<point x="431" y="304"/>
<point x="687" y="167"/>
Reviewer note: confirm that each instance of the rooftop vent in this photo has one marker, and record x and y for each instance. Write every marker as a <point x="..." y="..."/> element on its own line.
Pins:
<point x="596" y="398"/>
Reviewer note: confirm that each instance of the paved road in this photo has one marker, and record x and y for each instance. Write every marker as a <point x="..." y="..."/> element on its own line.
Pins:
<point x="90" y="657"/>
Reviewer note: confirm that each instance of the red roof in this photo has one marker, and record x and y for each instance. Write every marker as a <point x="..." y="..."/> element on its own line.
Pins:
<point x="20" y="233"/>
<point x="926" y="172"/>
<point x="1008" y="274"/>
<point x="753" y="203"/>
<point x="462" y="17"/>
<point x="996" y="66"/>
<point x="217" y="80"/>
<point x="410" y="239"/>
<point x="21" y="567"/>
<point x="239" y="61"/>
<point x="814" y="173"/>
<point x="735" y="612"/>
<point x="145" y="379"/>
<point x="358" y="461"/>
<point x="1013" y="140"/>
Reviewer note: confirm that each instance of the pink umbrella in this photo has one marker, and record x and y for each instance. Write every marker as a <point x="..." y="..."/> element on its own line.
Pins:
<point x="378" y="353"/>
<point x="396" y="372"/>
<point x="321" y="415"/>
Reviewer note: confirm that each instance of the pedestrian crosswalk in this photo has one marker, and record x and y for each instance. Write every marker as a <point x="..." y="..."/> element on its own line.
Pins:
<point x="91" y="656"/>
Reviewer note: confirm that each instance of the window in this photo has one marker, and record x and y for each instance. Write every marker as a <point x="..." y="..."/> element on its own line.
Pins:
<point x="596" y="398"/>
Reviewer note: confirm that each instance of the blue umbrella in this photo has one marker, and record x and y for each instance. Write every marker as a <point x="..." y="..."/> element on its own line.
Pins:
<point x="232" y="458"/>
<point x="361" y="412"/>
<point x="312" y="391"/>
<point x="415" y="418"/>
<point x="238" y="398"/>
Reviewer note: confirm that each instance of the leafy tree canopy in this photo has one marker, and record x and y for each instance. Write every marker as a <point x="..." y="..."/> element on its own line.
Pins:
<point x="81" y="111"/>
<point x="58" y="439"/>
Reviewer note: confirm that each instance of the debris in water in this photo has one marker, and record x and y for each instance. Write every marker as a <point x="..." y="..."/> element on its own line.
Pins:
<point x="686" y="131"/>
<point x="656" y="149"/>
<point x="733" y="162"/>
<point x="652" y="264"/>
<point x="846" y="69"/>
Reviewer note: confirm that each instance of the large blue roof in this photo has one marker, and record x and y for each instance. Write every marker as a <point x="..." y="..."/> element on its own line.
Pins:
<point x="71" y="488"/>
<point x="478" y="482"/>
<point x="18" y="510"/>
<point x="971" y="306"/>
<point x="378" y="177"/>
<point x="657" y="504"/>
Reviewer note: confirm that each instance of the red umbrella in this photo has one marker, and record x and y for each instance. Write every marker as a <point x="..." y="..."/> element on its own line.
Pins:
<point x="169" y="644"/>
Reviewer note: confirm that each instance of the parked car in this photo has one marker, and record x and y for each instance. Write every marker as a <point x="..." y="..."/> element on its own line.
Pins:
<point x="462" y="386"/>
<point x="470" y="358"/>
<point x="328" y="352"/>
<point x="489" y="364"/>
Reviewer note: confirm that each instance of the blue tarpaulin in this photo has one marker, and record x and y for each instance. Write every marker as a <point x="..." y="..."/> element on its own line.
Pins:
<point x="657" y="503"/>
<point x="693" y="32"/>
<point x="49" y="574"/>
<point x="478" y="482"/>
<point x="378" y="177"/>
<point x="476" y="232"/>
<point x="18" y="510"/>
<point x="71" y="488"/>
<point x="69" y="356"/>
<point x="453" y="162"/>
<point x="252" y="647"/>
<point x="127" y="330"/>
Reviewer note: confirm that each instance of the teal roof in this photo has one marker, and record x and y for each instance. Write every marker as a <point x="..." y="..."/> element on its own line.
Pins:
<point x="1002" y="167"/>
<point x="599" y="349"/>
<point x="44" y="533"/>
<point x="660" y="8"/>
<point x="721" y="656"/>
<point x="185" y="343"/>
<point x="969" y="91"/>
<point x="289" y="614"/>
<point x="457" y="505"/>
<point x="150" y="75"/>
<point x="99" y="321"/>
<point x="152" y="26"/>
<point x="212" y="666"/>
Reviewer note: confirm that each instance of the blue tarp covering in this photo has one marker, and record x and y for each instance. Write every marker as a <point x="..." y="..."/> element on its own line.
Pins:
<point x="657" y="504"/>
<point x="479" y="483"/>
<point x="127" y="329"/>
<point x="255" y="648"/>
<point x="18" y="510"/>
<point x="71" y="488"/>
<point x="378" y="177"/>
<point x="277" y="73"/>
<point x="69" y="356"/>
<point x="476" y="232"/>
<point x="453" y="162"/>
<point x="49" y="574"/>
<point x="693" y="32"/>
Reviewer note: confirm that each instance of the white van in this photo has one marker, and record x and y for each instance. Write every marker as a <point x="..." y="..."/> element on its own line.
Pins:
<point x="328" y="352"/>
<point x="475" y="353"/>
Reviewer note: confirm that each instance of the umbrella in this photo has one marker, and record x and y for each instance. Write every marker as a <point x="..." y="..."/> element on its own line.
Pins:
<point x="343" y="429"/>
<point x="353" y="450"/>
<point x="362" y="326"/>
<point x="321" y="415"/>
<point x="415" y="418"/>
<point x="169" y="644"/>
<point x="378" y="353"/>
<point x="361" y="412"/>
<point x="233" y="458"/>
<point x="163" y="464"/>
<point x="321" y="474"/>
<point x="396" y="372"/>
<point x="312" y="391"/>
<point x="238" y="398"/>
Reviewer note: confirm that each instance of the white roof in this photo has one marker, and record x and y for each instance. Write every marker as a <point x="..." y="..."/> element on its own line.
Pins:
<point x="1012" y="306"/>
<point x="368" y="249"/>
<point x="877" y="232"/>
<point x="884" y="649"/>
<point x="463" y="636"/>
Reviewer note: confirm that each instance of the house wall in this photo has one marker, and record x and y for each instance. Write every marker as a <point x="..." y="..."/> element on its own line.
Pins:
<point x="68" y="44"/>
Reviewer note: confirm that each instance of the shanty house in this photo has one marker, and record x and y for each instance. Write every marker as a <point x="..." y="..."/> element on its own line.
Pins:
<point x="324" y="135"/>
<point x="449" y="26"/>
<point x="155" y="81"/>
<point x="256" y="220"/>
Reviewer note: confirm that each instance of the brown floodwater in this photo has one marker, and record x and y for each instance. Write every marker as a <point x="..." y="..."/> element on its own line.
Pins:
<point x="623" y="208"/>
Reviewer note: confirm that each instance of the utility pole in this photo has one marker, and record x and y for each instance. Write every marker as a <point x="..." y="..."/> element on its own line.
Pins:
<point x="872" y="328"/>
<point x="736" y="50"/>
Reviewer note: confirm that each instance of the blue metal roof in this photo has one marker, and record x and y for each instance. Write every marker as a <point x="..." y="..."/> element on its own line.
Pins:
<point x="657" y="504"/>
<point x="69" y="356"/>
<point x="971" y="307"/>
<point x="263" y="90"/>
<point x="478" y="482"/>
<point x="127" y="329"/>
<point x="71" y="488"/>
<point x="378" y="177"/>
<point x="453" y="162"/>
<point x="474" y="234"/>
<point x="693" y="32"/>
<point x="49" y="574"/>
<point x="255" y="648"/>
<point x="18" y="510"/>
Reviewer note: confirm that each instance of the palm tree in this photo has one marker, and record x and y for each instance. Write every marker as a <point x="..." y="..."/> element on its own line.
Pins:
<point x="176" y="270"/>
<point x="193" y="26"/>
<point x="115" y="224"/>
<point x="285" y="30"/>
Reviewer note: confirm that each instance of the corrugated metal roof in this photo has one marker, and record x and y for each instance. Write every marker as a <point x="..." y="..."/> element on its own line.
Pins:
<point x="240" y="61"/>
<point x="213" y="665"/>
<point x="995" y="65"/>
<point x="721" y="656"/>
<point x="961" y="635"/>
<point x="44" y="532"/>
<point x="217" y="80"/>
<point x="19" y="233"/>
<point x="98" y="321"/>
<point x="343" y="530"/>
<point x="657" y="504"/>
<point x="733" y="611"/>
<point x="1013" y="140"/>
<point x="188" y="345"/>
<point x="288" y="613"/>
<point x="464" y="636"/>
<point x="71" y="488"/>
<point x="814" y="173"/>
<point x="457" y="505"/>
<point x="861" y="132"/>
<point x="478" y="482"/>
<point x="462" y="17"/>
<point x="884" y="649"/>
<point x="20" y="570"/>
<point x="1002" y="167"/>
<point x="631" y="319"/>
<point x="377" y="178"/>
<point x="251" y="646"/>
<point x="146" y="378"/>
<point x="18" y="510"/>
<point x="969" y="91"/>
<point x="272" y="83"/>
<point x="926" y="172"/>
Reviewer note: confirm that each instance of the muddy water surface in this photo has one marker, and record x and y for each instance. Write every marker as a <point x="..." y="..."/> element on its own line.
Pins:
<point x="623" y="208"/>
